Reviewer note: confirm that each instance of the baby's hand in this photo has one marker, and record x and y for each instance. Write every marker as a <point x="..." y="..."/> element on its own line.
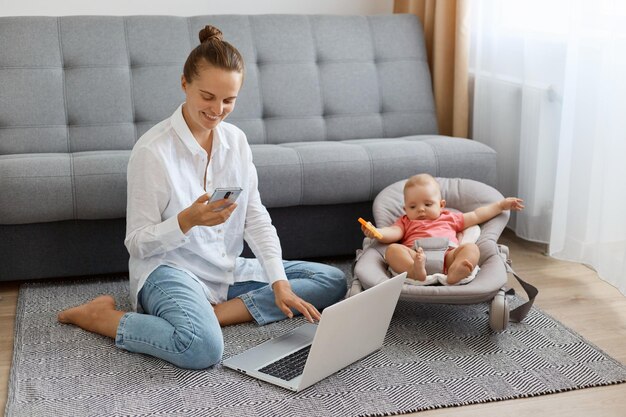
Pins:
<point x="369" y="230"/>
<point x="512" y="203"/>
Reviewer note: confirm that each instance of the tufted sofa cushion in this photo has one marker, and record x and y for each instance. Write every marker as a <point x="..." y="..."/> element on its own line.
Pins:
<point x="357" y="170"/>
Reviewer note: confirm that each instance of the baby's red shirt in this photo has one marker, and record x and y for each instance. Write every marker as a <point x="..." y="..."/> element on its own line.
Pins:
<point x="446" y="225"/>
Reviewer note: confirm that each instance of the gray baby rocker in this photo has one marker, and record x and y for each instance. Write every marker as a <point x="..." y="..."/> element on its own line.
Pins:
<point x="489" y="284"/>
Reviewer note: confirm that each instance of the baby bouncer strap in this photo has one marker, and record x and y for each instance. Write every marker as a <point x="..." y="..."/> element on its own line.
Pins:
<point x="519" y="313"/>
<point x="435" y="249"/>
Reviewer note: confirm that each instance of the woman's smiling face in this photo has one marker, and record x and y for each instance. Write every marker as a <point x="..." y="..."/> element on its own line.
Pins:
<point x="210" y="97"/>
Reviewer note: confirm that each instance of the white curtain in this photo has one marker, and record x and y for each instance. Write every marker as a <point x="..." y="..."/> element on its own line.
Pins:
<point x="550" y="97"/>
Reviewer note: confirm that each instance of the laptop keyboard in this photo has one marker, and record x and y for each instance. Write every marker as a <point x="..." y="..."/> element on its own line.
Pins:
<point x="290" y="366"/>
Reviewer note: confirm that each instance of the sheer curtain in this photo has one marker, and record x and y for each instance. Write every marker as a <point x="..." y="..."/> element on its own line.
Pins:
<point x="550" y="97"/>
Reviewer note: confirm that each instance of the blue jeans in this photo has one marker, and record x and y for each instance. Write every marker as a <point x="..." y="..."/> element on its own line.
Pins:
<point x="180" y="326"/>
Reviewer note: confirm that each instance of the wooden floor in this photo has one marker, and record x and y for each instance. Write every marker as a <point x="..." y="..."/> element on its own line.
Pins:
<point x="569" y="292"/>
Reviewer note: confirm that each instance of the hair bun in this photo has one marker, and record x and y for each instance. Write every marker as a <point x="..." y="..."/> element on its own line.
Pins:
<point x="210" y="33"/>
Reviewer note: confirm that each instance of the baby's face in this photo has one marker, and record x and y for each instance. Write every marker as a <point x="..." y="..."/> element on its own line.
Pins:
<point x="423" y="202"/>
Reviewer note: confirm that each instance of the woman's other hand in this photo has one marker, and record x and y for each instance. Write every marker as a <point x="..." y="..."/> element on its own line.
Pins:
<point x="286" y="299"/>
<point x="202" y="213"/>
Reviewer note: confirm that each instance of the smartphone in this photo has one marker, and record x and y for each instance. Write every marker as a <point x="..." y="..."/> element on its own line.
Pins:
<point x="229" y="194"/>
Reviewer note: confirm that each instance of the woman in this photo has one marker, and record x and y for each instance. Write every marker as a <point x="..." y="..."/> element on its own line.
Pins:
<point x="186" y="276"/>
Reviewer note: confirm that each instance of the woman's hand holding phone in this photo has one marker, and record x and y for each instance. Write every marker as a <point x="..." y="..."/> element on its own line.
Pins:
<point x="203" y="212"/>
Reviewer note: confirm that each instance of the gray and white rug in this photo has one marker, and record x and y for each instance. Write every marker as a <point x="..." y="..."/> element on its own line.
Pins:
<point x="434" y="356"/>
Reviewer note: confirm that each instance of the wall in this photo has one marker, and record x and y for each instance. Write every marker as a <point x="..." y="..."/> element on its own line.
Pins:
<point x="190" y="7"/>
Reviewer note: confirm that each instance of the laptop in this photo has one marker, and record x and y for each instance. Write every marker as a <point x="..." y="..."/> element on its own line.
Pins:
<point x="347" y="331"/>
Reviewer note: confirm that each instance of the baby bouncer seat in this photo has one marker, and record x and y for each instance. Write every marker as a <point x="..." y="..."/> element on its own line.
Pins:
<point x="489" y="284"/>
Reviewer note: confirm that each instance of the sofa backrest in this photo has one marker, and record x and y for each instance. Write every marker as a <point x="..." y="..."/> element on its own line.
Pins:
<point x="92" y="83"/>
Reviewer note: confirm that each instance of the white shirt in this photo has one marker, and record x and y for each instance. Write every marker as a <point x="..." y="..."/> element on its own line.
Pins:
<point x="166" y="172"/>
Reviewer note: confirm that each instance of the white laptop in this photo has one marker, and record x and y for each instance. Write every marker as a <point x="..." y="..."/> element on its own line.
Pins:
<point x="347" y="332"/>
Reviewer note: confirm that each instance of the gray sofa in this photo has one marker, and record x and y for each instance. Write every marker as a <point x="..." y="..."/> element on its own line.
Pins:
<point x="335" y="109"/>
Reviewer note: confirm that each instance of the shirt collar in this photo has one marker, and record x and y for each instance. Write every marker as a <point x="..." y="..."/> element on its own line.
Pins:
<point x="184" y="133"/>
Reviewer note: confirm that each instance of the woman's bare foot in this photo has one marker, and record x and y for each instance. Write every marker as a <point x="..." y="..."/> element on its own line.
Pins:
<point x="419" y="265"/>
<point x="459" y="269"/>
<point x="98" y="316"/>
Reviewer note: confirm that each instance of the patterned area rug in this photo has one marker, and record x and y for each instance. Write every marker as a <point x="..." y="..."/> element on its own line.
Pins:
<point x="434" y="356"/>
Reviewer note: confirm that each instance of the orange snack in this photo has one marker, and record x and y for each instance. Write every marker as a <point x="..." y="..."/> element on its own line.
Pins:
<point x="371" y="228"/>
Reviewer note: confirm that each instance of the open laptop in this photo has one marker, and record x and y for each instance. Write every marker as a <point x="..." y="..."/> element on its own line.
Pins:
<point x="347" y="332"/>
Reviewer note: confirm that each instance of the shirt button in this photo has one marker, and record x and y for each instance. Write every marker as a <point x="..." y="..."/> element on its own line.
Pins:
<point x="223" y="255"/>
<point x="219" y="231"/>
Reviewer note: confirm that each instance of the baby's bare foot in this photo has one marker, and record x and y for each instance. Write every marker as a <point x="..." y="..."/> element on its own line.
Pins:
<point x="419" y="265"/>
<point x="84" y="314"/>
<point x="459" y="269"/>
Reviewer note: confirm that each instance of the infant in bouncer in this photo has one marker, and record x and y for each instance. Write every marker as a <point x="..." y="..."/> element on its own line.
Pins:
<point x="428" y="248"/>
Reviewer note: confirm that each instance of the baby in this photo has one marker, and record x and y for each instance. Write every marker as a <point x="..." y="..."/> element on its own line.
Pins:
<point x="426" y="218"/>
